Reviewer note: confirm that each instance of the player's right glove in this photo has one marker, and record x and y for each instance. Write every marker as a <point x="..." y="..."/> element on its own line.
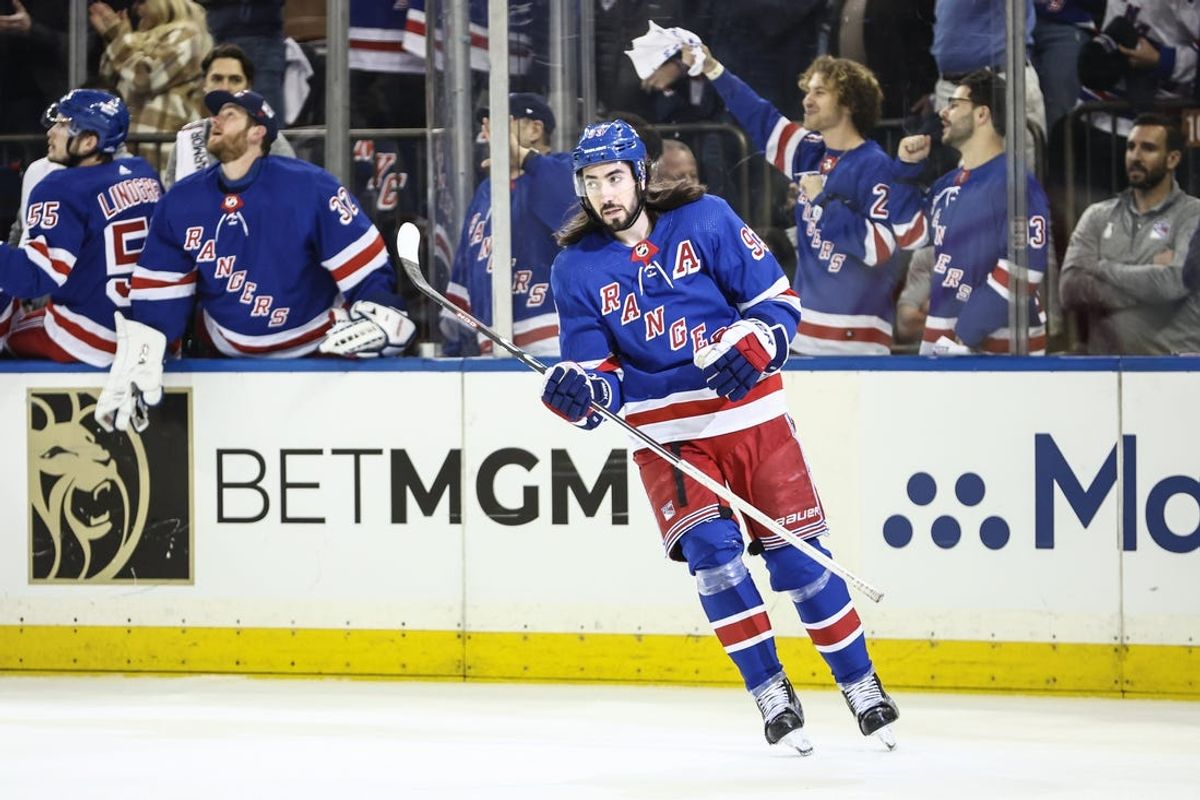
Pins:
<point x="135" y="380"/>
<point x="739" y="355"/>
<point x="569" y="390"/>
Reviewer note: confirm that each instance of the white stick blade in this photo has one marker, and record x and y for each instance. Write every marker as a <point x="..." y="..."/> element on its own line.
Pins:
<point x="408" y="242"/>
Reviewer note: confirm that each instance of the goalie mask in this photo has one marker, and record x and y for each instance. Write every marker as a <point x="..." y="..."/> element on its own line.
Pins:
<point x="91" y="111"/>
<point x="601" y="143"/>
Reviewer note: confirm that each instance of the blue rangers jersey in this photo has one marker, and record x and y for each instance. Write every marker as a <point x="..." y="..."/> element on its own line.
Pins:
<point x="642" y="312"/>
<point x="965" y="217"/>
<point x="85" y="228"/>
<point x="543" y="197"/>
<point x="846" y="273"/>
<point x="267" y="259"/>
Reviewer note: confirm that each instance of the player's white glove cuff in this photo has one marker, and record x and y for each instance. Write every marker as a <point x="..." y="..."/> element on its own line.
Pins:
<point x="135" y="380"/>
<point x="369" y="330"/>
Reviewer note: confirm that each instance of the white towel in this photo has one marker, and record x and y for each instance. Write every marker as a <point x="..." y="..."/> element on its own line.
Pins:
<point x="295" y="80"/>
<point x="651" y="50"/>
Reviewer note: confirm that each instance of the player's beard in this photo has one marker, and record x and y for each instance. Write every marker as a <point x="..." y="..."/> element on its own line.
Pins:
<point x="620" y="221"/>
<point x="1149" y="177"/>
<point x="230" y="147"/>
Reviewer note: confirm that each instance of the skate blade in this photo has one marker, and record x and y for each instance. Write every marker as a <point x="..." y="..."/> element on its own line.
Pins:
<point x="887" y="737"/>
<point x="798" y="742"/>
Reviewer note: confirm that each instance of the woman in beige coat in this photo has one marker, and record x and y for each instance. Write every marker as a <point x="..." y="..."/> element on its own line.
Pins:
<point x="156" y="68"/>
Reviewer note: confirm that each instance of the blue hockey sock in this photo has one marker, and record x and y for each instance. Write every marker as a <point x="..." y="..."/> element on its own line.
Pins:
<point x="833" y="625"/>
<point x="735" y="608"/>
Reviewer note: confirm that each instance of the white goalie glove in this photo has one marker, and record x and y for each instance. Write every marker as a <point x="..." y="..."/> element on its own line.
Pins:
<point x="135" y="380"/>
<point x="369" y="330"/>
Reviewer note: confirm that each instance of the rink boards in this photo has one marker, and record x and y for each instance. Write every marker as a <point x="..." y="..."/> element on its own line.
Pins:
<point x="1034" y="524"/>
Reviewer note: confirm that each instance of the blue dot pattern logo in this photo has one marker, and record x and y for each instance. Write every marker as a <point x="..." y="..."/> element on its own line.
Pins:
<point x="946" y="531"/>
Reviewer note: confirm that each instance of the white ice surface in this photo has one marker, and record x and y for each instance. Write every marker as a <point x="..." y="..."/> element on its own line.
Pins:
<point x="232" y="737"/>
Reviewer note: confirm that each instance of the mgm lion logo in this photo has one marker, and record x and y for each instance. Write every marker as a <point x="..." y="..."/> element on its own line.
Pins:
<point x="108" y="507"/>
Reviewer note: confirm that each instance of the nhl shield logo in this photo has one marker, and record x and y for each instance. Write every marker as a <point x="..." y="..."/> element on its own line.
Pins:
<point x="108" y="507"/>
<point x="231" y="203"/>
<point x="668" y="511"/>
<point x="643" y="251"/>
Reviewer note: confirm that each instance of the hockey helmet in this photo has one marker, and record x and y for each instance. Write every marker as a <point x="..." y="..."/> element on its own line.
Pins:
<point x="602" y="142"/>
<point x="91" y="111"/>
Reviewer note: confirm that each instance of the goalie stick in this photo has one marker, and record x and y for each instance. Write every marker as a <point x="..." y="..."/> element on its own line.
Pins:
<point x="408" y="246"/>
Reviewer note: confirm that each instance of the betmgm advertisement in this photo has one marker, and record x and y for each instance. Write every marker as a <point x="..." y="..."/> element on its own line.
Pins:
<point x="107" y="507"/>
<point x="1048" y="518"/>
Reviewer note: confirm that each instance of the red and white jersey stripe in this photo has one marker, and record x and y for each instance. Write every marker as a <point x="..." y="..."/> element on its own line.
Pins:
<point x="56" y="262"/>
<point x="87" y="341"/>
<point x="357" y="260"/>
<point x="536" y="335"/>
<point x="836" y="632"/>
<point x="292" y="343"/>
<point x="7" y="309"/>
<point x="152" y="284"/>
<point x="743" y="629"/>
<point x="842" y="334"/>
<point x="782" y="143"/>
<point x="700" y="413"/>
<point x="1001" y="277"/>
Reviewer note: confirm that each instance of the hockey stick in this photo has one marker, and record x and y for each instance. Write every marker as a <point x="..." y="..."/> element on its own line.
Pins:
<point x="408" y="245"/>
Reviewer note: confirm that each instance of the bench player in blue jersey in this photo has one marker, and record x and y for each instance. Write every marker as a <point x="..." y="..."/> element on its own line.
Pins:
<point x="673" y="310"/>
<point x="84" y="229"/>
<point x="275" y="253"/>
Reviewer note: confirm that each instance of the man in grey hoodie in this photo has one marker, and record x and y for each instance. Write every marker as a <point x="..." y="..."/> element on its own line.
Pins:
<point x="1124" y="268"/>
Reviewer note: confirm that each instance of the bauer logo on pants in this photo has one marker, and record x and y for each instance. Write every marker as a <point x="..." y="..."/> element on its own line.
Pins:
<point x="108" y="507"/>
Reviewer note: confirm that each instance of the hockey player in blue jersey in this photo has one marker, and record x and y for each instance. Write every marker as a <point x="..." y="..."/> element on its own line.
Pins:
<point x="965" y="217"/>
<point x="673" y="309"/>
<point x="85" y="226"/>
<point x="270" y="249"/>
<point x="541" y="201"/>
<point x="846" y="269"/>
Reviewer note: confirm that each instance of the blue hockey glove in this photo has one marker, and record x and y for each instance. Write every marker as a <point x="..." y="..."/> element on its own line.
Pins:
<point x="569" y="391"/>
<point x="739" y="355"/>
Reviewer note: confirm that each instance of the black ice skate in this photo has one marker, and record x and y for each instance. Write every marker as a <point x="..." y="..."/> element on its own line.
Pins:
<point x="873" y="708"/>
<point x="782" y="716"/>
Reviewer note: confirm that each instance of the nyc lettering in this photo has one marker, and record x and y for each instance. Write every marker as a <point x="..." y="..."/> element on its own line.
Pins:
<point x="1051" y="472"/>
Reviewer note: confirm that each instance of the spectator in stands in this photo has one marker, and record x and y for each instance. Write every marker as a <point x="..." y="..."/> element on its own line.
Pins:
<point x="846" y="267"/>
<point x="87" y="223"/>
<point x="965" y="217"/>
<point x="226" y="68"/>
<point x="618" y="22"/>
<point x="256" y="26"/>
<point x="677" y="162"/>
<point x="971" y="34"/>
<point x="1123" y="270"/>
<point x="893" y="40"/>
<point x="542" y="199"/>
<point x="1062" y="29"/>
<point x="155" y="68"/>
<point x="33" y="61"/>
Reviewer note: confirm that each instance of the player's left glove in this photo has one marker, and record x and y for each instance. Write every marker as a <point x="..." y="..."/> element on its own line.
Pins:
<point x="739" y="355"/>
<point x="369" y="330"/>
<point x="135" y="380"/>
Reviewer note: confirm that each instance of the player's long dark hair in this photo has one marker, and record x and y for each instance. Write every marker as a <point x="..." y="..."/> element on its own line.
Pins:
<point x="660" y="196"/>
